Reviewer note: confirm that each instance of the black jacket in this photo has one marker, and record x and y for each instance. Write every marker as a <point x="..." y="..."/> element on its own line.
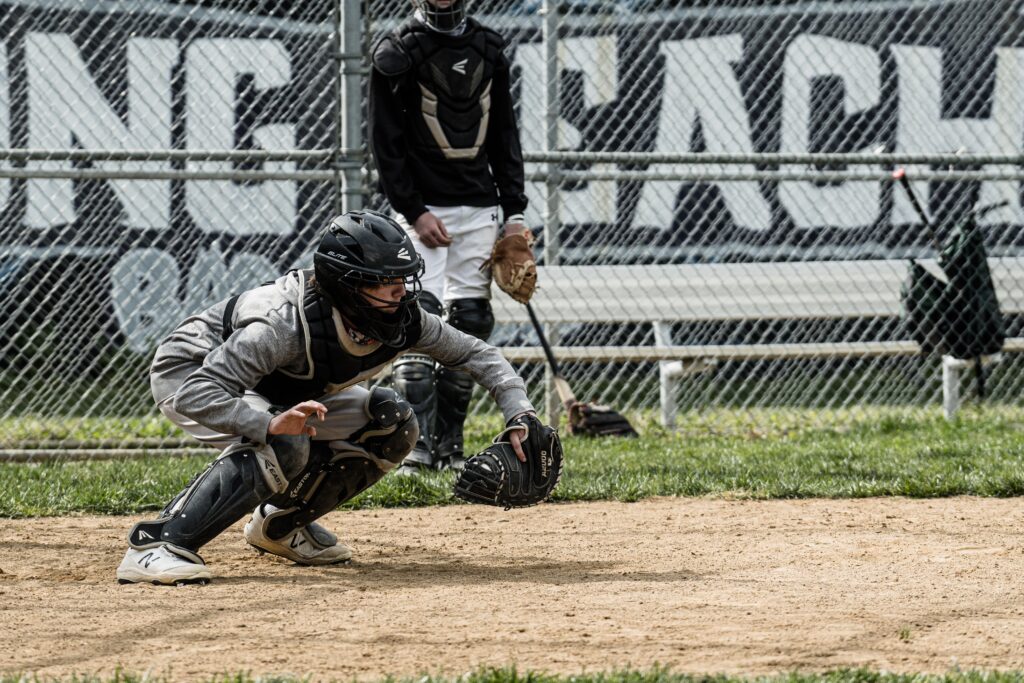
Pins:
<point x="412" y="168"/>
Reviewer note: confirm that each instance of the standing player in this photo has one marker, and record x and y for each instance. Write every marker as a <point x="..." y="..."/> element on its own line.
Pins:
<point x="444" y="138"/>
<point x="247" y="374"/>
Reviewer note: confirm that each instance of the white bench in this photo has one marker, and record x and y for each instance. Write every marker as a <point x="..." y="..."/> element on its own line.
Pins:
<point x="662" y="295"/>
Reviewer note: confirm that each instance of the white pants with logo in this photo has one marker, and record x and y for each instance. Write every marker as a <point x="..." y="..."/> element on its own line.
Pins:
<point x="453" y="272"/>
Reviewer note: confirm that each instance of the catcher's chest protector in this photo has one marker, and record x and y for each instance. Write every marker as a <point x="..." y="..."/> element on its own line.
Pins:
<point x="327" y="359"/>
<point x="454" y="76"/>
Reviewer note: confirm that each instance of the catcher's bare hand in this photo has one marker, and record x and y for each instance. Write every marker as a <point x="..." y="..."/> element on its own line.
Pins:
<point x="293" y="421"/>
<point x="431" y="231"/>
<point x="515" y="438"/>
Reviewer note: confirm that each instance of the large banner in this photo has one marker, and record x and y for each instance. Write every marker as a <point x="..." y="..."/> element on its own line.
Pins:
<point x="94" y="259"/>
<point x="115" y="263"/>
<point x="825" y="77"/>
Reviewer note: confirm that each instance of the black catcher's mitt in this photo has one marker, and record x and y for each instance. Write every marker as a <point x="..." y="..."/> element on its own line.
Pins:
<point x="496" y="477"/>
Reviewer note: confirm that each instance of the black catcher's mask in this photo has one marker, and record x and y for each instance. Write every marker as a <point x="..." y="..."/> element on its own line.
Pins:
<point x="444" y="19"/>
<point x="364" y="249"/>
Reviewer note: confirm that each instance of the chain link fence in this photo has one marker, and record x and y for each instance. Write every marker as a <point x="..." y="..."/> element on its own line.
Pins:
<point x="710" y="184"/>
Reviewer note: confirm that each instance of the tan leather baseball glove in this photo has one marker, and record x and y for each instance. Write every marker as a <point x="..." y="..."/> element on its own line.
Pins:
<point x="513" y="267"/>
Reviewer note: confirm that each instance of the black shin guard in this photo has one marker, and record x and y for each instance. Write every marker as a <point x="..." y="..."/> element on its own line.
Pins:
<point x="339" y="477"/>
<point x="290" y="453"/>
<point x="221" y="495"/>
<point x="454" y="388"/>
<point x="414" y="379"/>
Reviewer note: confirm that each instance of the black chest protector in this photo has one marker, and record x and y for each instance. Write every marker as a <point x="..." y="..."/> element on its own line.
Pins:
<point x="327" y="360"/>
<point x="454" y="77"/>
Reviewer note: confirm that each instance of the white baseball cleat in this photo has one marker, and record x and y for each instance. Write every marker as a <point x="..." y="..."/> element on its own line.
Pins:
<point x="310" y="545"/>
<point x="162" y="564"/>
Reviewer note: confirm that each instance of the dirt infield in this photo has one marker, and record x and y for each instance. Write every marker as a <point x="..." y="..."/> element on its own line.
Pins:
<point x="700" y="585"/>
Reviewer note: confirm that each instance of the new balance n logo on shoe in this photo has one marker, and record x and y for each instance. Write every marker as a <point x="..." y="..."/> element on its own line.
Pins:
<point x="147" y="559"/>
<point x="460" y="66"/>
<point x="403" y="253"/>
<point x="297" y="540"/>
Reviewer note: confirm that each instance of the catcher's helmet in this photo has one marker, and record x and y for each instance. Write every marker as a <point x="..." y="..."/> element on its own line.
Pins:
<point x="442" y="15"/>
<point x="363" y="249"/>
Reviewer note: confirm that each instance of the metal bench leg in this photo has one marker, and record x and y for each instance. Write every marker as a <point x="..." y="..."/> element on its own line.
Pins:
<point x="951" y="368"/>
<point x="668" y="375"/>
<point x="951" y="385"/>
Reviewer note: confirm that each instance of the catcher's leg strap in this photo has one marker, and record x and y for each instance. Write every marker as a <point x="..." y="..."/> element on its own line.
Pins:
<point x="238" y="480"/>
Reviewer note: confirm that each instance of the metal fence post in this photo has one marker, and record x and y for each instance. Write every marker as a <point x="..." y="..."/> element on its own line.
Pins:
<point x="552" y="218"/>
<point x="350" y="99"/>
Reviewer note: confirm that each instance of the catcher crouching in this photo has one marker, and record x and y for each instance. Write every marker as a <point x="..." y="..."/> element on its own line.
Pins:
<point x="273" y="377"/>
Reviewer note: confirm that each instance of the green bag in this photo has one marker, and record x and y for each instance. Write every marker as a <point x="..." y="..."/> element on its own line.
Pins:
<point x="921" y="301"/>
<point x="960" y="317"/>
<point x="973" y="324"/>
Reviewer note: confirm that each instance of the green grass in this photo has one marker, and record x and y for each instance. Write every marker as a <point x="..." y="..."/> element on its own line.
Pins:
<point x="654" y="675"/>
<point x="790" y="454"/>
<point x="17" y="432"/>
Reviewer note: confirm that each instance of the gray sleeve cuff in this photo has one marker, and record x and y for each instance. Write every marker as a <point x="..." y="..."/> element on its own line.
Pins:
<point x="512" y="399"/>
<point x="253" y="424"/>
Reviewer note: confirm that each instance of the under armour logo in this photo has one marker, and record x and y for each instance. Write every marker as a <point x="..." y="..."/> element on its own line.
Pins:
<point x="403" y="253"/>
<point x="460" y="66"/>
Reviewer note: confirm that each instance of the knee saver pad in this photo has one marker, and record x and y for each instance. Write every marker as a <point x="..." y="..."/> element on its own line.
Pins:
<point x="392" y="429"/>
<point x="430" y="303"/>
<point x="472" y="316"/>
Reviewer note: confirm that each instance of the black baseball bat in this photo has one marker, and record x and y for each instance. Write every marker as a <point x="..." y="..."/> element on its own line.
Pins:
<point x="565" y="392"/>
<point x="900" y="175"/>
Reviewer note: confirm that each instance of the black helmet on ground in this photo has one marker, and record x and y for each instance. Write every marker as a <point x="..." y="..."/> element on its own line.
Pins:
<point x="442" y="15"/>
<point x="361" y="249"/>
